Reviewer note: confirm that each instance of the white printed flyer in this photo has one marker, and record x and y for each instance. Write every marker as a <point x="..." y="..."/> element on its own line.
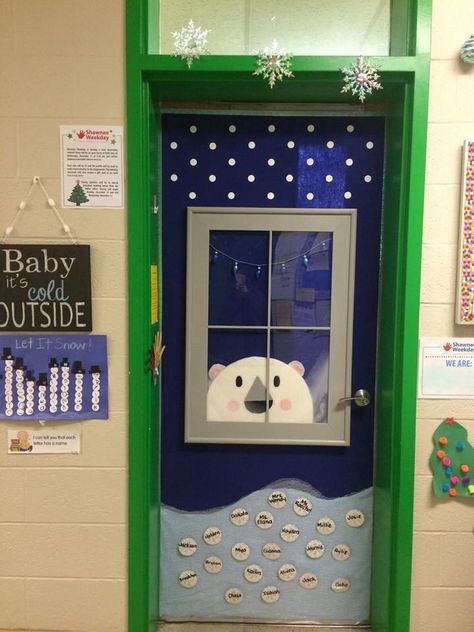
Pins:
<point x="446" y="368"/>
<point x="92" y="166"/>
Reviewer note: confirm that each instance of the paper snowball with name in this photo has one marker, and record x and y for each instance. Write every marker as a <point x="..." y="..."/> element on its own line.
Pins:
<point x="446" y="368"/>
<point x="238" y="392"/>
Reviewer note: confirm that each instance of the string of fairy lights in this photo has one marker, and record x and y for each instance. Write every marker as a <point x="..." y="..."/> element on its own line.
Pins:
<point x="282" y="265"/>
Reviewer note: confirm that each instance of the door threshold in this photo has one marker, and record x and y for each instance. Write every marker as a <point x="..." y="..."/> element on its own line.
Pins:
<point x="208" y="626"/>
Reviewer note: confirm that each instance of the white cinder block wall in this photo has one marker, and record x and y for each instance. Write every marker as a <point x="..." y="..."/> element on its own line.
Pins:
<point x="443" y="554"/>
<point x="62" y="519"/>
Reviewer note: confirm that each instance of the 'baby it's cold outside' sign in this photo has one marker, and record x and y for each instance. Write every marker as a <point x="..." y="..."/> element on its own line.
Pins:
<point x="53" y="377"/>
<point x="45" y="288"/>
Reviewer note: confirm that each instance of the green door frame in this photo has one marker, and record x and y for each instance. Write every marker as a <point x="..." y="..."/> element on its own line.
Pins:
<point x="153" y="79"/>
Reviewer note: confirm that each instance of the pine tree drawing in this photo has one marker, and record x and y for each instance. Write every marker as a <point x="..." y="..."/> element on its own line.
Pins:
<point x="78" y="195"/>
<point x="452" y="461"/>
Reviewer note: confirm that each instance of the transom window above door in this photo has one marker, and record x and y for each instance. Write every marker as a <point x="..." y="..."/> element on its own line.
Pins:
<point x="269" y="322"/>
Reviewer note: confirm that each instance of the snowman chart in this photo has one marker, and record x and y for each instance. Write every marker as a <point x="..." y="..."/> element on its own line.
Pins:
<point x="53" y="377"/>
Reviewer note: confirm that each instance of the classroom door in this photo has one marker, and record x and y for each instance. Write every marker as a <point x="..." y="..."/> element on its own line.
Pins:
<point x="251" y="529"/>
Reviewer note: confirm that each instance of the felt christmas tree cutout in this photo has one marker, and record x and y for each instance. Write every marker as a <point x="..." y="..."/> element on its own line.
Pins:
<point x="452" y="461"/>
<point x="78" y="195"/>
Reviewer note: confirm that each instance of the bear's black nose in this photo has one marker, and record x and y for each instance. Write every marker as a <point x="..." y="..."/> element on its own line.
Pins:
<point x="256" y="399"/>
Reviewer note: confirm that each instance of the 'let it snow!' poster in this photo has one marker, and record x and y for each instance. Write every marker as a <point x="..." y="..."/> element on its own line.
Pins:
<point x="92" y="166"/>
<point x="53" y="377"/>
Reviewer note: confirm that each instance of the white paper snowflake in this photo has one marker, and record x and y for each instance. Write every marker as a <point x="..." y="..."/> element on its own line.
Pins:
<point x="361" y="79"/>
<point x="190" y="43"/>
<point x="273" y="64"/>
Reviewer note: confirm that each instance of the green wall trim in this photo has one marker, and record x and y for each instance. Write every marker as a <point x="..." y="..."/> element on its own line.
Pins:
<point x="153" y="79"/>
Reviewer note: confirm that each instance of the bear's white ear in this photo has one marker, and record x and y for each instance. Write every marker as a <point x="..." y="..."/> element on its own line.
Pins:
<point x="215" y="370"/>
<point x="297" y="366"/>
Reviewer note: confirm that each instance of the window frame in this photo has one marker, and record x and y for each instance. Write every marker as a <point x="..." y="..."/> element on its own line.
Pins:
<point x="340" y="222"/>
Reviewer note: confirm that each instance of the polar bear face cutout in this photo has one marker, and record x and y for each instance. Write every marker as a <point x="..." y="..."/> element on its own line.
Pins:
<point x="237" y="392"/>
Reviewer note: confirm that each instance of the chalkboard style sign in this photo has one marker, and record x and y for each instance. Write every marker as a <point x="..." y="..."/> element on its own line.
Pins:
<point x="45" y="288"/>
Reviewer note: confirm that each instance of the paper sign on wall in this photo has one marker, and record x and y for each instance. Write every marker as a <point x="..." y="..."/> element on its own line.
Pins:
<point x="43" y="442"/>
<point x="446" y="368"/>
<point x="45" y="288"/>
<point x="53" y="377"/>
<point x="91" y="166"/>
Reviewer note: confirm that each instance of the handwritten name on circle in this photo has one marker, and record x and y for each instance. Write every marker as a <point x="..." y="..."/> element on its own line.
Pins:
<point x="341" y="584"/>
<point x="355" y="518"/>
<point x="270" y="594"/>
<point x="240" y="551"/>
<point x="289" y="532"/>
<point x="314" y="549"/>
<point x="239" y="516"/>
<point x="233" y="595"/>
<point x="308" y="581"/>
<point x="264" y="520"/>
<point x="187" y="547"/>
<point x="341" y="552"/>
<point x="188" y="579"/>
<point x="287" y="572"/>
<point x="213" y="564"/>
<point x="302" y="506"/>
<point x="212" y="535"/>
<point x="253" y="573"/>
<point x="271" y="551"/>
<point x="277" y="499"/>
<point x="325" y="525"/>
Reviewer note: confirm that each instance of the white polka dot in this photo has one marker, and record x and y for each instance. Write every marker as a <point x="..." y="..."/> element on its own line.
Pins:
<point x="310" y="128"/>
<point x="350" y="128"/>
<point x="193" y="129"/>
<point x="330" y="144"/>
<point x="309" y="196"/>
<point x="349" y="162"/>
<point x="231" y="161"/>
<point x="310" y="162"/>
<point x="231" y="195"/>
<point x="369" y="145"/>
<point x="212" y="178"/>
<point x="289" y="177"/>
<point x="174" y="145"/>
<point x="173" y="177"/>
<point x="329" y="178"/>
<point x="348" y="195"/>
<point x="290" y="144"/>
<point x="271" y="162"/>
<point x="212" y="146"/>
<point x="251" y="177"/>
<point x="271" y="128"/>
<point x="368" y="178"/>
<point x="192" y="195"/>
<point x="193" y="162"/>
<point x="232" y="129"/>
<point x="270" y="195"/>
<point x="251" y="144"/>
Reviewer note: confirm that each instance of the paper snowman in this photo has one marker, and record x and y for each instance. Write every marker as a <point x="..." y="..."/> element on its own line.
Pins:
<point x="237" y="392"/>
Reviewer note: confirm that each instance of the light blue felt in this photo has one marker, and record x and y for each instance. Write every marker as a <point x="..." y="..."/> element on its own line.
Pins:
<point x="206" y="600"/>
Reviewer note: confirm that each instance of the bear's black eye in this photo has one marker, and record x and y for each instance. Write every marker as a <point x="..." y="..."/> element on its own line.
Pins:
<point x="276" y="380"/>
<point x="238" y="381"/>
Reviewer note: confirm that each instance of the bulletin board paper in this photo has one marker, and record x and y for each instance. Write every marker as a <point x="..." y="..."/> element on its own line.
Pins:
<point x="446" y="368"/>
<point x="53" y="377"/>
<point x="92" y="166"/>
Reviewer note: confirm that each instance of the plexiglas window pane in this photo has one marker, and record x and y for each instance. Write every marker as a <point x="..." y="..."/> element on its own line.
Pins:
<point x="301" y="27"/>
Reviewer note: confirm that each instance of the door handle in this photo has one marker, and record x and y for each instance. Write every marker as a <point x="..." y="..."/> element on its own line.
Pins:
<point x="361" y="398"/>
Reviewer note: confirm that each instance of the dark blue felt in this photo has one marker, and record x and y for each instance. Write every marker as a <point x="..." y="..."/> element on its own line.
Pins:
<point x="196" y="476"/>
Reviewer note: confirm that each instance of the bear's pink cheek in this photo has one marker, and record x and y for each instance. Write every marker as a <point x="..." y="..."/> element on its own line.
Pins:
<point x="285" y="404"/>
<point x="232" y="405"/>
